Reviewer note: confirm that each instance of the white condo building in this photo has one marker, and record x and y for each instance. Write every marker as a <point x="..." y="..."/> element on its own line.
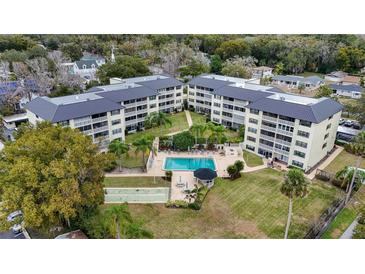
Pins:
<point x="296" y="130"/>
<point x="106" y="112"/>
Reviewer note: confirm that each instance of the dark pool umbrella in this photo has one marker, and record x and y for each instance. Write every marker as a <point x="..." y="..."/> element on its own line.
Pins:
<point x="205" y="174"/>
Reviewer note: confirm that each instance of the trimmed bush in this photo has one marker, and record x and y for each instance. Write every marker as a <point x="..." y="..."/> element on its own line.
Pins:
<point x="200" y="196"/>
<point x="177" y="204"/>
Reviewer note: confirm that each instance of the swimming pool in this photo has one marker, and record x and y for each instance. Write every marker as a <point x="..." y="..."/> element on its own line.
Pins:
<point x="188" y="163"/>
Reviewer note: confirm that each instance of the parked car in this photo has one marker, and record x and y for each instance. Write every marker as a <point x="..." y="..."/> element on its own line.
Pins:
<point x="12" y="216"/>
<point x="348" y="123"/>
<point x="342" y="121"/>
<point x="356" y="125"/>
<point x="17" y="228"/>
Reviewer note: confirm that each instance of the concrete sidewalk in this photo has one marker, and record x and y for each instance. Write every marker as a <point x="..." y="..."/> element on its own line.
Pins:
<point x="350" y="230"/>
<point x="188" y="118"/>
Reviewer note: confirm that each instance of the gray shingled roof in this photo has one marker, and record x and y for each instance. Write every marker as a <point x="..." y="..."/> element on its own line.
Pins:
<point x="315" y="113"/>
<point x="311" y="79"/>
<point x="49" y="111"/>
<point x="346" y="87"/>
<point x="87" y="63"/>
<point x="127" y="94"/>
<point x="208" y="82"/>
<point x="241" y="93"/>
<point x="160" y="83"/>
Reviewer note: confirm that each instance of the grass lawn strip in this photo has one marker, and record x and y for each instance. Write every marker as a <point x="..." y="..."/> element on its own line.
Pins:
<point x="135" y="182"/>
<point x="251" y="159"/>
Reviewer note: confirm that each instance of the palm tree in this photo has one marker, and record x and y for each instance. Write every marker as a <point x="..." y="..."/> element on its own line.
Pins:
<point x="144" y="145"/>
<point x="294" y="185"/>
<point x="217" y="132"/>
<point x="346" y="175"/>
<point x="118" y="148"/>
<point x="197" y="130"/>
<point x="158" y="119"/>
<point x="118" y="218"/>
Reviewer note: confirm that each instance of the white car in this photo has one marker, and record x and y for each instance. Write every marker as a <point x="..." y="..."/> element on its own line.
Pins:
<point x="11" y="217"/>
<point x="17" y="229"/>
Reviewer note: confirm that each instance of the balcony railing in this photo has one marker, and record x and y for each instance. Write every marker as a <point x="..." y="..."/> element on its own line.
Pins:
<point x="263" y="136"/>
<point x="284" y="152"/>
<point x="279" y="141"/>
<point x="83" y="123"/>
<point x="100" y="119"/>
<point x="98" y="129"/>
<point x="284" y="132"/>
<point x="268" y="128"/>
<point x="285" y="122"/>
<point x="269" y="118"/>
<point x="265" y="147"/>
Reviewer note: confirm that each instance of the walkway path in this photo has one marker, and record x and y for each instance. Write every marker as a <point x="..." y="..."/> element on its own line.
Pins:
<point x="326" y="162"/>
<point x="350" y="230"/>
<point x="188" y="118"/>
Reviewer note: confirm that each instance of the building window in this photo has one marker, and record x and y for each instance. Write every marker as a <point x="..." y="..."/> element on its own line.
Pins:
<point x="191" y="93"/>
<point x="152" y="105"/>
<point x="217" y="105"/>
<point x="116" y="131"/>
<point x="286" y="128"/>
<point x="286" y="118"/>
<point x="252" y="148"/>
<point x="116" y="122"/>
<point x="64" y="123"/>
<point x="298" y="164"/>
<point x="324" y="145"/>
<point x="191" y="100"/>
<point x="152" y="97"/>
<point x="251" y="129"/>
<point x="115" y="112"/>
<point x="301" y="144"/>
<point x="216" y="120"/>
<point x="227" y="114"/>
<point x="178" y="94"/>
<point x="299" y="153"/>
<point x="254" y="111"/>
<point x="253" y="121"/>
<point x="216" y="112"/>
<point x="252" y="139"/>
<point x="305" y="123"/>
<point x="328" y="126"/>
<point x="303" y="133"/>
<point x="329" y="118"/>
<point x="227" y="106"/>
<point x="326" y="136"/>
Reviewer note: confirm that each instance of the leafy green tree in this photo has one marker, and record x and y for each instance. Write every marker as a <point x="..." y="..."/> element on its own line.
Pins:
<point x="194" y="68"/>
<point x="294" y="185"/>
<point x="295" y="61"/>
<point x="15" y="42"/>
<point x="324" y="91"/>
<point x="158" y="119"/>
<point x="119" y="149"/>
<point x="144" y="145"/>
<point x="36" y="51"/>
<point x="183" y="140"/>
<point x="217" y="132"/>
<point x="232" y="48"/>
<point x="52" y="174"/>
<point x="72" y="51"/>
<point x="279" y="68"/>
<point x="216" y="64"/>
<point x="123" y="67"/>
<point x="52" y="43"/>
<point x="301" y="88"/>
<point x="239" y="67"/>
<point x="234" y="170"/>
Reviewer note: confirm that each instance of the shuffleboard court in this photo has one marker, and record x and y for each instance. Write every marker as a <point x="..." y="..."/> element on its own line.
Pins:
<point x="136" y="195"/>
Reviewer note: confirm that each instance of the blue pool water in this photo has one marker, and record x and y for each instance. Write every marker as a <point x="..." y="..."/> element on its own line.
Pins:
<point x="188" y="163"/>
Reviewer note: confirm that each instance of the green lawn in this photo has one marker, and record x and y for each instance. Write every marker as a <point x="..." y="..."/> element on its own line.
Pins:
<point x="249" y="207"/>
<point x="197" y="118"/>
<point x="252" y="159"/>
<point x="179" y="123"/>
<point x="342" y="160"/>
<point x="340" y="224"/>
<point x="133" y="159"/>
<point x="142" y="181"/>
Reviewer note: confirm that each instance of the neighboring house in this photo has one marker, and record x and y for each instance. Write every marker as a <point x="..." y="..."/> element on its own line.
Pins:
<point x="335" y="76"/>
<point x="106" y="112"/>
<point x="295" y="130"/>
<point x="11" y="123"/>
<point x="352" y="91"/>
<point x="351" y="80"/>
<point x="86" y="67"/>
<point x="73" y="235"/>
<point x="292" y="81"/>
<point x="261" y="72"/>
<point x="13" y="88"/>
